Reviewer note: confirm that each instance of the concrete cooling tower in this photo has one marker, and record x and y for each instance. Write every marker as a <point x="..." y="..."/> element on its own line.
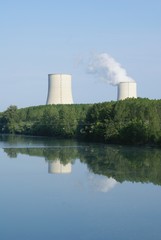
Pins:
<point x="127" y="90"/>
<point x="59" y="89"/>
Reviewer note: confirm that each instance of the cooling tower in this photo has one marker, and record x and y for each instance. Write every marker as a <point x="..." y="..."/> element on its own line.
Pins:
<point x="59" y="89"/>
<point x="57" y="167"/>
<point x="127" y="90"/>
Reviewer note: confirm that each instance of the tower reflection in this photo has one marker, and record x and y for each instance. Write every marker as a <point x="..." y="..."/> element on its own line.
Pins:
<point x="57" y="167"/>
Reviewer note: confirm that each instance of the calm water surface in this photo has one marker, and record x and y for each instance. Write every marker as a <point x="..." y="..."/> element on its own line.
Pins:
<point x="56" y="189"/>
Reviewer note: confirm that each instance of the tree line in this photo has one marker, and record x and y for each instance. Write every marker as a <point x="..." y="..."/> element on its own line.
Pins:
<point x="129" y="121"/>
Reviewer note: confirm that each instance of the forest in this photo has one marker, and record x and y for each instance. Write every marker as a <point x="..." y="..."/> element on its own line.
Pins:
<point x="130" y="121"/>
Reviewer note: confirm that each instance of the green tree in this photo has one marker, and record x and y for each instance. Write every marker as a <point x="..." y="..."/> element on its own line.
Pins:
<point x="10" y="120"/>
<point x="67" y="121"/>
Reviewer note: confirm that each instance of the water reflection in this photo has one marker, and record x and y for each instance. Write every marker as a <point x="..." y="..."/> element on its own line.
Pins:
<point x="37" y="205"/>
<point x="102" y="183"/>
<point x="57" y="167"/>
<point x="117" y="164"/>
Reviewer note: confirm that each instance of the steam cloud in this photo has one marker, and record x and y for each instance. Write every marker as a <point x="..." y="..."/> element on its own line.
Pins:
<point x="107" y="69"/>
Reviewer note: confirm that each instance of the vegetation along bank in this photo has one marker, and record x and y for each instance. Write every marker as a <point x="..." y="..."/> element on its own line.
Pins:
<point x="129" y="121"/>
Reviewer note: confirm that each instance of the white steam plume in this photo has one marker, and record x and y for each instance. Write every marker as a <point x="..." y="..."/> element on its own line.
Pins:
<point x="107" y="69"/>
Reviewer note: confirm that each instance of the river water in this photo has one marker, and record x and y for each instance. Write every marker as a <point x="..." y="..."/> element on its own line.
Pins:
<point x="62" y="189"/>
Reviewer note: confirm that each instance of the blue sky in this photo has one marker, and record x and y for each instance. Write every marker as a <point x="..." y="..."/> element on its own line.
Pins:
<point x="58" y="36"/>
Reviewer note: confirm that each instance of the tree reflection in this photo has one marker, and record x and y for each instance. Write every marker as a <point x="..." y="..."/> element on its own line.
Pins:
<point x="119" y="163"/>
<point x="127" y="164"/>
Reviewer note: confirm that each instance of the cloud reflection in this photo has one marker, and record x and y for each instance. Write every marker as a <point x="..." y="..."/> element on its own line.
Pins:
<point x="101" y="183"/>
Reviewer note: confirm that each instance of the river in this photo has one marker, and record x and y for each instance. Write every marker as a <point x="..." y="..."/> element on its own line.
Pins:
<point x="65" y="189"/>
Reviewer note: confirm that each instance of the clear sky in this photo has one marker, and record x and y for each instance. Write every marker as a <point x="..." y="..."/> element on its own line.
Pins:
<point x="38" y="37"/>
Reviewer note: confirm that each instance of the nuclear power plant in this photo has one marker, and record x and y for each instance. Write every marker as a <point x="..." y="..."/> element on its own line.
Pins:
<point x="127" y="90"/>
<point x="59" y="89"/>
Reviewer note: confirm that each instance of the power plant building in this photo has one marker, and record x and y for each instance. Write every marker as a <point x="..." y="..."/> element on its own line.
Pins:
<point x="127" y="90"/>
<point x="59" y="89"/>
